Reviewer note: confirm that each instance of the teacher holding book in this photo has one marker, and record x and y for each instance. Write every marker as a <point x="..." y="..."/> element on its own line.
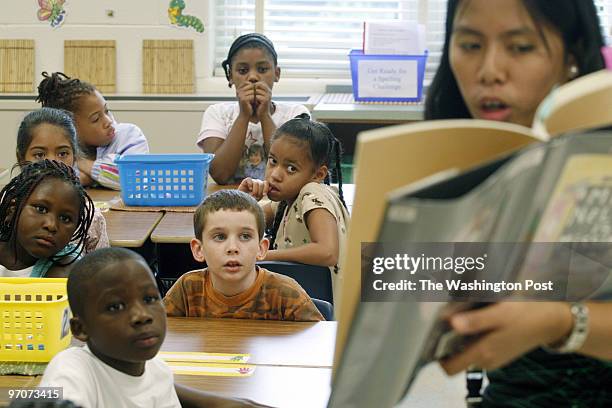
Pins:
<point x="500" y="60"/>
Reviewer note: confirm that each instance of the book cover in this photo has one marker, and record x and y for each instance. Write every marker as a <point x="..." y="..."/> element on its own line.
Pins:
<point x="555" y="193"/>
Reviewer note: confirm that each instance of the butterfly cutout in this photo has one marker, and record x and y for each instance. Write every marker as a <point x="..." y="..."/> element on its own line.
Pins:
<point x="52" y="11"/>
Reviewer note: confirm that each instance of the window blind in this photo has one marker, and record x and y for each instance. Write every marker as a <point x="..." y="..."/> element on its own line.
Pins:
<point x="604" y="9"/>
<point x="313" y="37"/>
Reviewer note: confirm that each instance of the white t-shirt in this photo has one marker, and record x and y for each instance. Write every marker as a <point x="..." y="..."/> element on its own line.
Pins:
<point x="218" y="120"/>
<point x="90" y="383"/>
<point x="22" y="273"/>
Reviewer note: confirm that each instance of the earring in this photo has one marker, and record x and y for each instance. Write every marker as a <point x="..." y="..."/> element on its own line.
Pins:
<point x="572" y="72"/>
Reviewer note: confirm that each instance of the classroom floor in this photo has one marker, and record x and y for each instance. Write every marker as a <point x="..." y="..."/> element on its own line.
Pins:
<point x="433" y="388"/>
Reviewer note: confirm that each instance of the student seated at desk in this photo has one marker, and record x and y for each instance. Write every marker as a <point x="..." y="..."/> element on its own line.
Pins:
<point x="101" y="139"/>
<point x="239" y="132"/>
<point x="49" y="133"/>
<point x="229" y="226"/>
<point x="309" y="223"/>
<point x="45" y="215"/>
<point x="118" y="313"/>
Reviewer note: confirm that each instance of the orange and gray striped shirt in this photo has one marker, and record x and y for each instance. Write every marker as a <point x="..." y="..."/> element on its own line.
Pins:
<point x="271" y="297"/>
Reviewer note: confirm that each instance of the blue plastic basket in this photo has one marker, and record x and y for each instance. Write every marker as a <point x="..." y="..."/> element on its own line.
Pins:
<point x="163" y="179"/>
<point x="357" y="55"/>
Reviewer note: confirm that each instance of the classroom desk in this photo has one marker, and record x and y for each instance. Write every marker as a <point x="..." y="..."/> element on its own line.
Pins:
<point x="130" y="229"/>
<point x="293" y="359"/>
<point x="273" y="343"/>
<point x="126" y="229"/>
<point x="342" y="108"/>
<point x="284" y="387"/>
<point x="177" y="228"/>
<point x="174" y="228"/>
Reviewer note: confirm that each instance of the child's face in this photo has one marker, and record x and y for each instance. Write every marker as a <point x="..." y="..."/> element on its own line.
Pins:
<point x="253" y="65"/>
<point x="230" y="246"/>
<point x="48" y="219"/>
<point x="93" y="121"/>
<point x="255" y="158"/>
<point x="50" y="142"/>
<point x="124" y="321"/>
<point x="503" y="66"/>
<point x="290" y="168"/>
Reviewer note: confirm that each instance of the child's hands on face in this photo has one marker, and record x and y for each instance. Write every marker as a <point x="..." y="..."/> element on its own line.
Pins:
<point x="256" y="188"/>
<point x="246" y="98"/>
<point x="255" y="99"/>
<point x="263" y="99"/>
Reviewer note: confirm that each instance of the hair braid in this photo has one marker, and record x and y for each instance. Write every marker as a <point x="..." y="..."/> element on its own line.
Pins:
<point x="60" y="91"/>
<point x="337" y="150"/>
<point x="14" y="195"/>
<point x="278" y="218"/>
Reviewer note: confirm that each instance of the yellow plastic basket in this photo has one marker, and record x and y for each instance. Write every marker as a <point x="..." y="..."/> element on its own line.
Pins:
<point x="35" y="315"/>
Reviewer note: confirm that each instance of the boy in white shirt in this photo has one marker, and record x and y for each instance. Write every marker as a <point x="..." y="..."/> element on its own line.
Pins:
<point x="118" y="313"/>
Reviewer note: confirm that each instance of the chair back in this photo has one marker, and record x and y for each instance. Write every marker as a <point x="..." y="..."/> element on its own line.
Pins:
<point x="316" y="280"/>
<point x="325" y="308"/>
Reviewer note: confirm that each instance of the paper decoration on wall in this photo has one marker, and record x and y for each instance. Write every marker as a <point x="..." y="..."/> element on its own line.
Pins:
<point x="176" y="16"/>
<point x="52" y="11"/>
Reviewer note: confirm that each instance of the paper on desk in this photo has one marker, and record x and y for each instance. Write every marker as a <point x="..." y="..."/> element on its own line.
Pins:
<point x="103" y="206"/>
<point x="182" y="356"/>
<point x="393" y="38"/>
<point x="211" y="369"/>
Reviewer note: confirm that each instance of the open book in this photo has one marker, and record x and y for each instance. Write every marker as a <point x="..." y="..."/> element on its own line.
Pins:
<point x="394" y="157"/>
<point x="559" y="192"/>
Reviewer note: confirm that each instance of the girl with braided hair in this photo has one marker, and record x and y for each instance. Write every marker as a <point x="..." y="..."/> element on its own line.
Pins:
<point x="49" y="133"/>
<point x="101" y="139"/>
<point x="309" y="223"/>
<point x="45" y="214"/>
<point x="230" y="129"/>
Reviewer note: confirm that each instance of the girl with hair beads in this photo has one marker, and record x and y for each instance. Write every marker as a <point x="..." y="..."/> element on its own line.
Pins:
<point x="45" y="214"/>
<point x="230" y="129"/>
<point x="101" y="139"/>
<point x="309" y="225"/>
<point x="49" y="133"/>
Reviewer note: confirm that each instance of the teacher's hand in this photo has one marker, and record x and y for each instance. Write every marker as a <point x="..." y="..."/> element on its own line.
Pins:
<point x="507" y="330"/>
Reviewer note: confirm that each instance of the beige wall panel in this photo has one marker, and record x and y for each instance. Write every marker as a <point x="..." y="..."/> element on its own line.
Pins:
<point x="16" y="66"/>
<point x="93" y="61"/>
<point x="167" y="67"/>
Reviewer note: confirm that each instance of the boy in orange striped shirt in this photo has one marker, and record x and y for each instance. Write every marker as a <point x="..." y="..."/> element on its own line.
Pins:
<point x="229" y="228"/>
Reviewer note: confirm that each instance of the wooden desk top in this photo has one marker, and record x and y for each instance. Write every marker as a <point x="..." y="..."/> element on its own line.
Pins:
<point x="294" y="387"/>
<point x="102" y="194"/>
<point x="177" y="228"/>
<point x="125" y="229"/>
<point x="174" y="228"/>
<point x="274" y="343"/>
<point x="130" y="229"/>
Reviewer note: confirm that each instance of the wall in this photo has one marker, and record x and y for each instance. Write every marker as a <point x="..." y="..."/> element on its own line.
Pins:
<point x="170" y="126"/>
<point x="133" y="21"/>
